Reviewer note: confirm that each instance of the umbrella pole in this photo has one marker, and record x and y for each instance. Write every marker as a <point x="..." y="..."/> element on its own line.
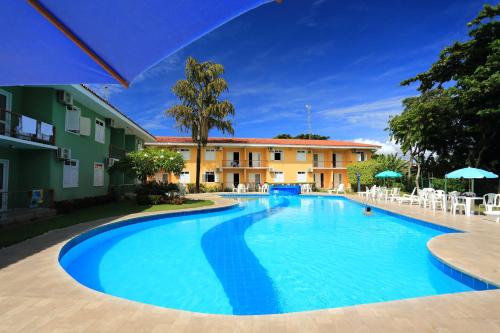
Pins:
<point x="472" y="185"/>
<point x="445" y="183"/>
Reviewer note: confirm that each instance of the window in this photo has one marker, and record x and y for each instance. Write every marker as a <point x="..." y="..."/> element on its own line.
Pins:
<point x="184" y="177"/>
<point x="301" y="177"/>
<point x="70" y="173"/>
<point x="360" y="156"/>
<point x="98" y="174"/>
<point x="209" y="177"/>
<point x="72" y="121"/>
<point x="277" y="155"/>
<point x="99" y="130"/>
<point x="301" y="155"/>
<point x="279" y="177"/>
<point x="209" y="154"/>
<point x="139" y="145"/>
<point x="185" y="153"/>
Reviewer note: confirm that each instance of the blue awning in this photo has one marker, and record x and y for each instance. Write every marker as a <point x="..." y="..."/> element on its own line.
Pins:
<point x="128" y="36"/>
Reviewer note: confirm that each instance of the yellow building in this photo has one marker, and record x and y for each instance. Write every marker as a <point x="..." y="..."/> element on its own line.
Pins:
<point x="227" y="162"/>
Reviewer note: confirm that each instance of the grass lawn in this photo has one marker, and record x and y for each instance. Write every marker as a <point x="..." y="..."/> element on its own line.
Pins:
<point x="22" y="232"/>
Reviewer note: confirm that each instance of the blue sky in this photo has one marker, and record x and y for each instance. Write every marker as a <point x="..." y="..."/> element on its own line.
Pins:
<point x="345" y="58"/>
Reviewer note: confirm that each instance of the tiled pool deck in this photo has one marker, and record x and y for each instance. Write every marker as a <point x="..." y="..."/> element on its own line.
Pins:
<point x="36" y="295"/>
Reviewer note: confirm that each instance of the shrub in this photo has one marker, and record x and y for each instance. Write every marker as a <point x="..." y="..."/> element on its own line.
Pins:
<point x="459" y="185"/>
<point x="367" y="170"/>
<point x="192" y="188"/>
<point x="66" y="206"/>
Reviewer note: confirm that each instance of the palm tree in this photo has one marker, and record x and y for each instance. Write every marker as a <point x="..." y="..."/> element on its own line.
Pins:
<point x="201" y="107"/>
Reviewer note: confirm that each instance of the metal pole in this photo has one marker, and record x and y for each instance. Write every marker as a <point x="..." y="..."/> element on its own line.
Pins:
<point x="308" y="107"/>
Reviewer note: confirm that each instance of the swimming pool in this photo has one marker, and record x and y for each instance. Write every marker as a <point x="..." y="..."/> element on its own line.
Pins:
<point x="267" y="255"/>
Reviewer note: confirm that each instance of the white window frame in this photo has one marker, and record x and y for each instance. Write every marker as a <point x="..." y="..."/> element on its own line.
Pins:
<point x="67" y="125"/>
<point x="182" y="179"/>
<point x="206" y="178"/>
<point x="99" y="136"/>
<point x="282" y="177"/>
<point x="8" y="107"/>
<point x="302" y="155"/>
<point x="99" y="176"/>
<point x="186" y="153"/>
<point x="273" y="155"/>
<point x="360" y="156"/>
<point x="73" y="168"/>
<point x="210" y="154"/>
<point x="301" y="177"/>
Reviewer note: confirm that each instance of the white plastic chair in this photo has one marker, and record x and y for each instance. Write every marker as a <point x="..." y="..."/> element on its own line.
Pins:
<point x="489" y="201"/>
<point x="457" y="205"/>
<point x="265" y="188"/>
<point x="339" y="188"/>
<point x="409" y="198"/>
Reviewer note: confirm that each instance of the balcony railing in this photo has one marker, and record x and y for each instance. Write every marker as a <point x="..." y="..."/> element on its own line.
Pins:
<point x="245" y="163"/>
<point x="26" y="128"/>
<point x="330" y="164"/>
<point x="116" y="152"/>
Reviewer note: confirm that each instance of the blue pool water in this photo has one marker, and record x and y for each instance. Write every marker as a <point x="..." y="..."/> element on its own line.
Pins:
<point x="268" y="255"/>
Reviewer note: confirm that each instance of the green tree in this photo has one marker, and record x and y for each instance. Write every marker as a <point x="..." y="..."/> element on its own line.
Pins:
<point x="425" y="128"/>
<point x="467" y="76"/>
<point x="148" y="162"/>
<point x="391" y="162"/>
<point x="283" y="136"/>
<point x="303" y="136"/>
<point x="202" y="107"/>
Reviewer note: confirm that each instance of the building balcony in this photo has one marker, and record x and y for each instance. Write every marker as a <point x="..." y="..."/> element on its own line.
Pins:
<point x="21" y="131"/>
<point x="331" y="164"/>
<point x="117" y="152"/>
<point x="247" y="164"/>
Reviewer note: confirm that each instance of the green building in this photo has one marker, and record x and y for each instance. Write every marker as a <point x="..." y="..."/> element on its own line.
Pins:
<point x="56" y="143"/>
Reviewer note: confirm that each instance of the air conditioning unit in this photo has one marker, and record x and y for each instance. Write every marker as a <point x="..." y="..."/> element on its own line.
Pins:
<point x="271" y="149"/>
<point x="309" y="151"/>
<point x="63" y="153"/>
<point x="110" y="161"/>
<point x="218" y="170"/>
<point x="310" y="170"/>
<point x="64" y="97"/>
<point x="271" y="170"/>
<point x="218" y="148"/>
<point x="110" y="122"/>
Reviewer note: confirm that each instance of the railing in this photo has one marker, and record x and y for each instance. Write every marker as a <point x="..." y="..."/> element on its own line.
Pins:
<point x="116" y="152"/>
<point x="26" y="128"/>
<point x="330" y="164"/>
<point x="245" y="163"/>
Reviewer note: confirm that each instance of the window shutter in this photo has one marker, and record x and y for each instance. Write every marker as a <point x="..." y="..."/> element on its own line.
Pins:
<point x="85" y="126"/>
<point x="99" y="131"/>
<point x="73" y="119"/>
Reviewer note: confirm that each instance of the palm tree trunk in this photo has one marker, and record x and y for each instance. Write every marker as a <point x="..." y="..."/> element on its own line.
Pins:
<point x="198" y="162"/>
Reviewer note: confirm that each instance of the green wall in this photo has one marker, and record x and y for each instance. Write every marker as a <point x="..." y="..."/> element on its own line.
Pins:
<point x="39" y="168"/>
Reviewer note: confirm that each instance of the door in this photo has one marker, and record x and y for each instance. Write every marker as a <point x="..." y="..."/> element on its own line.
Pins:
<point x="236" y="179"/>
<point x="334" y="160"/>
<point x="254" y="160"/>
<point x="4" y="184"/>
<point x="319" y="179"/>
<point x="5" y="105"/>
<point x="233" y="159"/>
<point x="337" y="179"/>
<point x="318" y="160"/>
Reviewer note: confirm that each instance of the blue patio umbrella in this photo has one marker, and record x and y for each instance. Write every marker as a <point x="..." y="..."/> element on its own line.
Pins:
<point x="101" y="41"/>
<point x="388" y="174"/>
<point x="470" y="173"/>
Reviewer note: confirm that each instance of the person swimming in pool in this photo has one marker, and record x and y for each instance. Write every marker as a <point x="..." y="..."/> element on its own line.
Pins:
<point x="367" y="211"/>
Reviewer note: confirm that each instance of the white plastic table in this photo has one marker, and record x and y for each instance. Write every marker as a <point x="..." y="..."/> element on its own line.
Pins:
<point x="469" y="201"/>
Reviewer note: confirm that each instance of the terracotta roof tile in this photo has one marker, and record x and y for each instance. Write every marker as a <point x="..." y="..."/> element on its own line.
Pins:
<point x="265" y="141"/>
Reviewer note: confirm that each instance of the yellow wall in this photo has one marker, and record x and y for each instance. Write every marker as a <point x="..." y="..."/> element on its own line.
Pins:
<point x="289" y="165"/>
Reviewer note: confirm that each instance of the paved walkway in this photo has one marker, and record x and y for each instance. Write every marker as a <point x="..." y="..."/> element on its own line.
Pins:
<point x="36" y="295"/>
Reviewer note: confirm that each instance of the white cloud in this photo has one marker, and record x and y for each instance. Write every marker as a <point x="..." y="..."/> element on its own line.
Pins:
<point x="166" y="65"/>
<point x="387" y="148"/>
